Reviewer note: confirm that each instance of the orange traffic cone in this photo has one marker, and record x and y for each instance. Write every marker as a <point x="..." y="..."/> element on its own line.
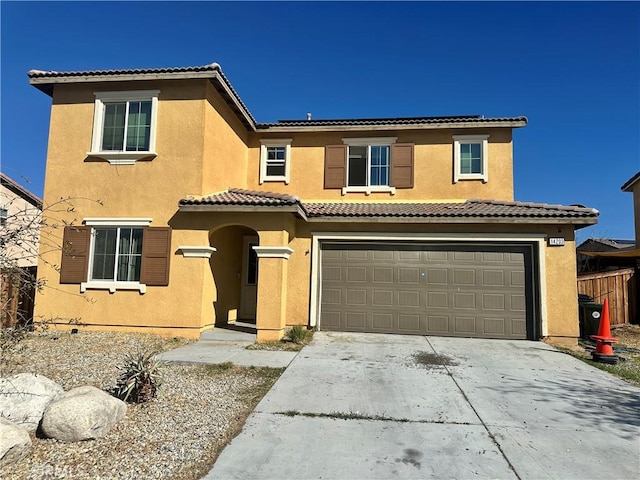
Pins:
<point x="604" y="350"/>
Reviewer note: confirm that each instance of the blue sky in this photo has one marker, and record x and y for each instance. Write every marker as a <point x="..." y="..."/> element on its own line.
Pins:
<point x="572" y="68"/>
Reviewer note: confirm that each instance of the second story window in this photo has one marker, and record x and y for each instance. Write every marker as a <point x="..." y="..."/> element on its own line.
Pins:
<point x="368" y="166"/>
<point x="124" y="126"/>
<point x="470" y="157"/>
<point x="275" y="160"/>
<point x="3" y="216"/>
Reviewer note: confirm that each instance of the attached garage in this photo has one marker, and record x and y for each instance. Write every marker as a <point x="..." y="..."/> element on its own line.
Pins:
<point x="484" y="290"/>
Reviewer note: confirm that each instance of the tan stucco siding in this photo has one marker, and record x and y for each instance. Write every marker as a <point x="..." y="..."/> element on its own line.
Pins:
<point x="225" y="147"/>
<point x="433" y="167"/>
<point x="561" y="287"/>
<point x="148" y="189"/>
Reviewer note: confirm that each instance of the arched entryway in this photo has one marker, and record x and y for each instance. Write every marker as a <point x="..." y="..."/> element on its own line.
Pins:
<point x="234" y="267"/>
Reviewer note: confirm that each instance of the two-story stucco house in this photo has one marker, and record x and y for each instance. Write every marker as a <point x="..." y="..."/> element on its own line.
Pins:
<point x="395" y="225"/>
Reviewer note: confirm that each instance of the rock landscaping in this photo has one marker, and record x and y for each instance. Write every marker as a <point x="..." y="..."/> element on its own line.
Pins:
<point x="86" y="433"/>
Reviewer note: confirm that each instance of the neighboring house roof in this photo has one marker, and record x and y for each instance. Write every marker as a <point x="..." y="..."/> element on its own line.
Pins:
<point x="595" y="245"/>
<point x="470" y="211"/>
<point x="628" y="185"/>
<point x="45" y="81"/>
<point x="19" y="190"/>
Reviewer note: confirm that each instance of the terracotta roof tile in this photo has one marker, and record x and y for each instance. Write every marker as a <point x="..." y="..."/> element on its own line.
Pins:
<point x="237" y="196"/>
<point x="392" y="121"/>
<point x="480" y="209"/>
<point x="470" y="208"/>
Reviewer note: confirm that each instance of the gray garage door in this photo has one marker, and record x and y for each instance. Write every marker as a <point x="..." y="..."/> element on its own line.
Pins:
<point x="426" y="289"/>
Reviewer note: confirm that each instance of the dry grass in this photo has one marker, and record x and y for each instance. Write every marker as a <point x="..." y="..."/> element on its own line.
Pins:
<point x="627" y="348"/>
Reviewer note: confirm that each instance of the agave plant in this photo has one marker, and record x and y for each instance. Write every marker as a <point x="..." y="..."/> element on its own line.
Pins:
<point x="140" y="378"/>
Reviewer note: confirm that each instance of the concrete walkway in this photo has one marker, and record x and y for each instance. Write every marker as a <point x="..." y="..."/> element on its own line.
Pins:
<point x="225" y="345"/>
<point x="366" y="406"/>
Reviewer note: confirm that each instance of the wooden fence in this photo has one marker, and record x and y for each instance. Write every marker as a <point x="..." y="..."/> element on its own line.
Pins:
<point x="17" y="293"/>
<point x="620" y="286"/>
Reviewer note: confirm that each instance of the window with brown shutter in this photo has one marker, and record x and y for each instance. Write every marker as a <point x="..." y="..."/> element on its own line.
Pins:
<point x="75" y="254"/>
<point x="335" y="166"/>
<point x="402" y="165"/>
<point x="156" y="251"/>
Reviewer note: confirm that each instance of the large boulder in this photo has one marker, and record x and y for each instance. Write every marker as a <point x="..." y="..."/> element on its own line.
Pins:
<point x="83" y="413"/>
<point x="15" y="442"/>
<point x="25" y="396"/>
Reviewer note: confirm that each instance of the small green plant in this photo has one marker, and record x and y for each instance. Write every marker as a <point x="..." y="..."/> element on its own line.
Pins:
<point x="298" y="334"/>
<point x="140" y="378"/>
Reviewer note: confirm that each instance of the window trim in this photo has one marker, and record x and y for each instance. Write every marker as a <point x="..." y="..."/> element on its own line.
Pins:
<point x="111" y="285"/>
<point x="275" y="142"/>
<point x="483" y="140"/>
<point x="368" y="142"/>
<point x="116" y="157"/>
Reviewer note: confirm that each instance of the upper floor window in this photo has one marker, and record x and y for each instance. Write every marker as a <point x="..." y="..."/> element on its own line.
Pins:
<point x="124" y="126"/>
<point x="3" y="216"/>
<point x="369" y="164"/>
<point x="470" y="157"/>
<point x="275" y="160"/>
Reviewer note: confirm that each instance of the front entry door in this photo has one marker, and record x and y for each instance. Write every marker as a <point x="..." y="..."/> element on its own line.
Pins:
<point x="249" y="280"/>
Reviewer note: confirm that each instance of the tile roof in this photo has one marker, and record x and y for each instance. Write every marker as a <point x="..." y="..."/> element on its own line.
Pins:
<point x="237" y="196"/>
<point x="45" y="80"/>
<point x="469" y="209"/>
<point x="447" y="211"/>
<point x="393" y="121"/>
<point x="121" y="71"/>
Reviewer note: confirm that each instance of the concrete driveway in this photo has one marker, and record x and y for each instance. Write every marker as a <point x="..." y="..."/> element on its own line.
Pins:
<point x="367" y="406"/>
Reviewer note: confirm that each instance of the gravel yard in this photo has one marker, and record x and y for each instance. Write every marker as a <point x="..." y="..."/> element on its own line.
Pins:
<point x="177" y="435"/>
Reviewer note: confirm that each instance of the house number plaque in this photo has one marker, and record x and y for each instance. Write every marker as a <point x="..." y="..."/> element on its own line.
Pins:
<point x="556" y="241"/>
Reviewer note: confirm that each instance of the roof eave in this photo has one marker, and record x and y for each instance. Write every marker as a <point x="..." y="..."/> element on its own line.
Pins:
<point x="628" y="185"/>
<point x="45" y="84"/>
<point x="579" y="222"/>
<point x="390" y="126"/>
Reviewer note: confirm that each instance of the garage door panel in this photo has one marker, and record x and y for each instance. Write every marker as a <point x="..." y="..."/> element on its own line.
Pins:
<point x="424" y="289"/>
<point x="383" y="298"/>
<point x="409" y="323"/>
<point x="494" y="326"/>
<point x="383" y="275"/>
<point x="355" y="320"/>
<point x="464" y="325"/>
<point x="437" y="300"/>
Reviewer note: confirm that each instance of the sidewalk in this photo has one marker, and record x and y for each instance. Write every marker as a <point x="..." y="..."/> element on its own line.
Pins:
<point x="224" y="345"/>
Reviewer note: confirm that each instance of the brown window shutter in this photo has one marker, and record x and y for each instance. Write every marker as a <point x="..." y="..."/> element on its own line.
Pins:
<point x="335" y="166"/>
<point x="156" y="251"/>
<point x="402" y="165"/>
<point x="75" y="254"/>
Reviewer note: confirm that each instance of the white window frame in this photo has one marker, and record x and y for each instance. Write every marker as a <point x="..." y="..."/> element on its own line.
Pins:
<point x="115" y="157"/>
<point x="483" y="140"/>
<point x="111" y="285"/>
<point x="275" y="142"/>
<point x="369" y="142"/>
